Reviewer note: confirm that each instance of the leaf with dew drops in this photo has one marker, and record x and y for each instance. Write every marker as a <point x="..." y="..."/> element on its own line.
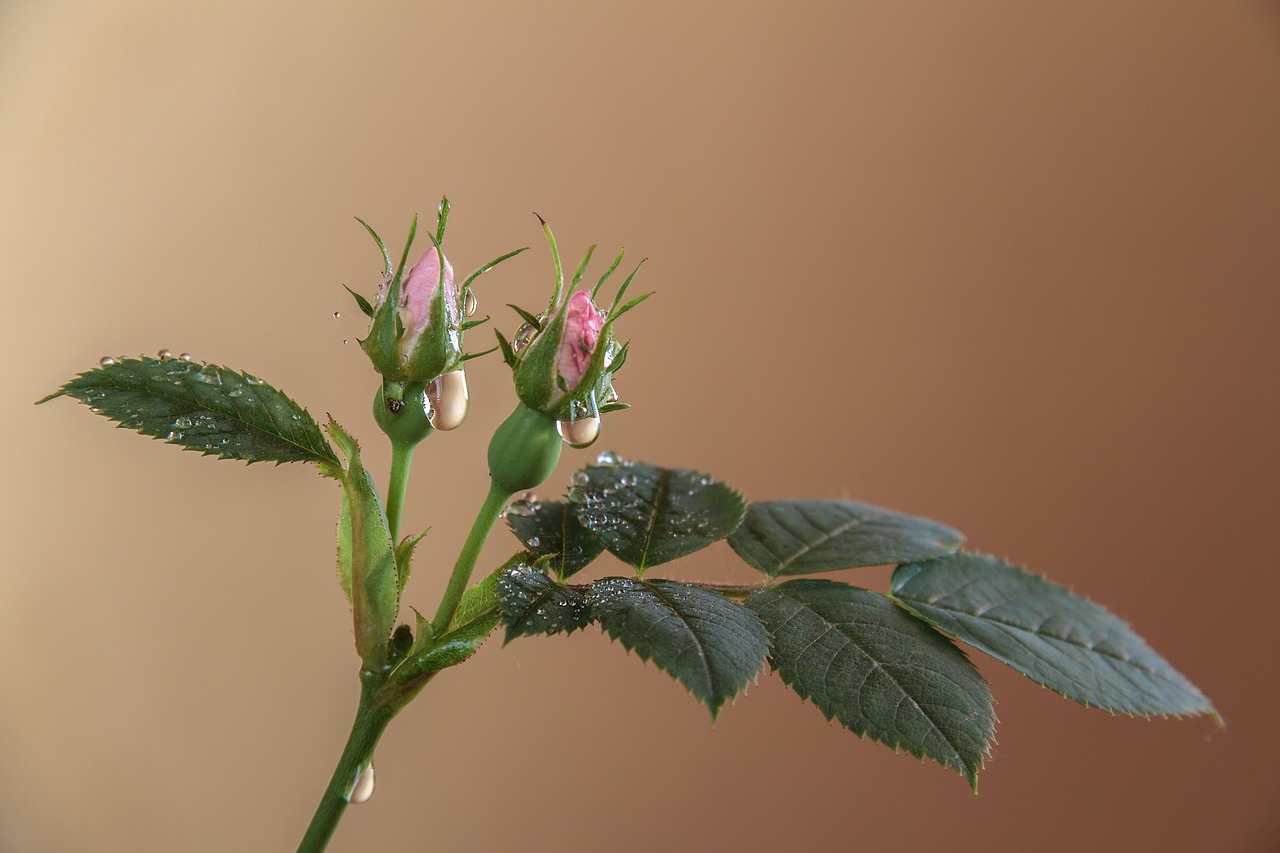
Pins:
<point x="533" y="603"/>
<point x="646" y="515"/>
<point x="551" y="529"/>
<point x="203" y="407"/>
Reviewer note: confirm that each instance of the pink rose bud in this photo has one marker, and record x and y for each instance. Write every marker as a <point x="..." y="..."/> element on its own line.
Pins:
<point x="581" y="332"/>
<point x="417" y="293"/>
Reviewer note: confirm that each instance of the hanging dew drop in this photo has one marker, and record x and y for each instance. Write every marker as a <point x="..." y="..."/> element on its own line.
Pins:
<point x="579" y="433"/>
<point x="470" y="304"/>
<point x="362" y="790"/>
<point x="449" y="401"/>
<point x="524" y="336"/>
<point x="106" y="360"/>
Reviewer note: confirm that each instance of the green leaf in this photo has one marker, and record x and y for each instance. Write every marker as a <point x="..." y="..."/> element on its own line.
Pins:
<point x="646" y="515"/>
<point x="203" y="407"/>
<point x="1057" y="639"/>
<point x="710" y="644"/>
<point x="374" y="593"/>
<point x="800" y="537"/>
<point x="551" y="529"/>
<point x="532" y="603"/>
<point x="878" y="670"/>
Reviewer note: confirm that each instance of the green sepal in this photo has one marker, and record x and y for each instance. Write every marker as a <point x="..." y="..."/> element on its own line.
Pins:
<point x="365" y="307"/>
<point x="382" y="345"/>
<point x="524" y="450"/>
<point x="404" y="558"/>
<point x="375" y="594"/>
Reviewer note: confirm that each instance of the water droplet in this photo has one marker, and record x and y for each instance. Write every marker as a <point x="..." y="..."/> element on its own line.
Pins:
<point x="520" y="508"/>
<point x="252" y="380"/>
<point x="105" y="360"/>
<point x="449" y="401"/>
<point x="579" y="478"/>
<point x="337" y="314"/>
<point x="579" y="433"/>
<point x="362" y="790"/>
<point x="524" y="336"/>
<point x="344" y="340"/>
<point x="209" y="375"/>
<point x="185" y="356"/>
<point x="470" y="303"/>
<point x="164" y="354"/>
<point x="182" y="423"/>
<point x="174" y="436"/>
<point x="608" y="457"/>
<point x="534" y="542"/>
<point x="235" y="392"/>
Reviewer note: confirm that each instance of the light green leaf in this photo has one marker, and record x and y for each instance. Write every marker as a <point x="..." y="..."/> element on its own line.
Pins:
<point x="203" y="407"/>
<point x="533" y="603"/>
<point x="710" y="644"/>
<point x="1054" y="637"/>
<point x="878" y="670"/>
<point x="646" y="515"/>
<point x="366" y="545"/>
<point x="801" y="537"/>
<point x="550" y="528"/>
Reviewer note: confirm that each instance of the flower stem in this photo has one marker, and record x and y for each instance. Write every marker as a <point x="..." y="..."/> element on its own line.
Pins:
<point x="401" y="458"/>
<point x="371" y="721"/>
<point x="490" y="511"/>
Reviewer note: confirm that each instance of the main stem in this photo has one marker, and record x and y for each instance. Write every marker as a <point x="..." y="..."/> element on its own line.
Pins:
<point x="401" y="458"/>
<point x="490" y="511"/>
<point x="371" y="721"/>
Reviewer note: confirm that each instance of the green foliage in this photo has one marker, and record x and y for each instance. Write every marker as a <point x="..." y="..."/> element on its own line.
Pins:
<point x="552" y="530"/>
<point x="366" y="543"/>
<point x="710" y="644"/>
<point x="878" y="670"/>
<point x="802" y="537"/>
<point x="533" y="603"/>
<point x="1054" y="637"/>
<point x="646" y="515"/>
<point x="203" y="407"/>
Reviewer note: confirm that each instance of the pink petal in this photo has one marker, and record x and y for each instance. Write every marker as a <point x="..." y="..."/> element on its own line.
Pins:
<point x="582" y="327"/>
<point x="418" y="290"/>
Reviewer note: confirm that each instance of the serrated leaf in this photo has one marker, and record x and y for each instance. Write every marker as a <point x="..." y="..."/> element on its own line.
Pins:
<point x="878" y="670"/>
<point x="802" y="537"/>
<point x="371" y="570"/>
<point x="551" y="529"/>
<point x="646" y="515"/>
<point x="1056" y="638"/>
<point x="710" y="644"/>
<point x="532" y="603"/>
<point x="203" y="407"/>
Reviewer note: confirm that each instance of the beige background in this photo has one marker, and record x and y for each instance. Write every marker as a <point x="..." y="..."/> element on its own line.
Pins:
<point x="1010" y="265"/>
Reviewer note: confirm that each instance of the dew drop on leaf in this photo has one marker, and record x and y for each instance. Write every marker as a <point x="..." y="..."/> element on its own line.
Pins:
<point x="105" y="360"/>
<point x="164" y="354"/>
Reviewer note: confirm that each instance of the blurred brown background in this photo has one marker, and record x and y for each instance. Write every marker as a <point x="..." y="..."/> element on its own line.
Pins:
<point x="1010" y="265"/>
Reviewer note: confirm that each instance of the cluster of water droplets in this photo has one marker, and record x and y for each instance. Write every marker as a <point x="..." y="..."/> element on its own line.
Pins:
<point x="525" y="504"/>
<point x="560" y="610"/>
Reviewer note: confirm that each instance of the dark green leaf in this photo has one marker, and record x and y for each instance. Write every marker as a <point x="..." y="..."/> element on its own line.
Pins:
<point x="207" y="408"/>
<point x="710" y="644"/>
<point x="366" y="543"/>
<point x="551" y="529"/>
<point x="881" y="672"/>
<point x="800" y="537"/>
<point x="647" y="515"/>
<point x="1054" y="637"/>
<point x="533" y="603"/>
